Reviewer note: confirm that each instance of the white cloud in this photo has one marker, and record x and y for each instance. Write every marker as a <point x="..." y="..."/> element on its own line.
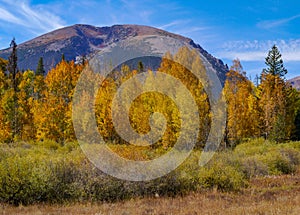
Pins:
<point x="184" y="27"/>
<point x="34" y="18"/>
<point x="7" y="16"/>
<point x="188" y="30"/>
<point x="42" y="19"/>
<point x="243" y="56"/>
<point x="257" y="50"/>
<point x="173" y="24"/>
<point x="268" y="24"/>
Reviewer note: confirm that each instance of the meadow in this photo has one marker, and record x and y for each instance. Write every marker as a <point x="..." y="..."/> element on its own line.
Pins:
<point x="266" y="195"/>
<point x="257" y="175"/>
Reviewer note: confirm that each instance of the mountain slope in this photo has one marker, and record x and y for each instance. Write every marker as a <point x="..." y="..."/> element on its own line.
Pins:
<point x="295" y="82"/>
<point x="82" y="40"/>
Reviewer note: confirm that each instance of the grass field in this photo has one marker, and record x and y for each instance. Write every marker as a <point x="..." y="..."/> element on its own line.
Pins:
<point x="265" y="195"/>
<point x="257" y="177"/>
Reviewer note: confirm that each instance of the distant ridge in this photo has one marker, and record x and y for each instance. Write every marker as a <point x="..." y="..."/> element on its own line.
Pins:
<point x="295" y="82"/>
<point x="82" y="40"/>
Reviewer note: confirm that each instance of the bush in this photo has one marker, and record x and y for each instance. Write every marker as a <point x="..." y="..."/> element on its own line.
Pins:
<point x="270" y="158"/>
<point x="252" y="166"/>
<point x="57" y="173"/>
<point x="292" y="155"/>
<point x="22" y="180"/>
<point x="222" y="177"/>
<point x="278" y="163"/>
<point x="223" y="172"/>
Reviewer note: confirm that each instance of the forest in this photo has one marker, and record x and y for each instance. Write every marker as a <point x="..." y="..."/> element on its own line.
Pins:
<point x="41" y="161"/>
<point x="36" y="105"/>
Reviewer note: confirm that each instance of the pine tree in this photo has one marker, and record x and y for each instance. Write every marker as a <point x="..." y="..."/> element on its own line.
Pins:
<point x="257" y="80"/>
<point x="63" y="57"/>
<point x="296" y="132"/>
<point x="40" y="67"/>
<point x="140" y="67"/>
<point x="274" y="63"/>
<point x="12" y="64"/>
<point x="12" y="70"/>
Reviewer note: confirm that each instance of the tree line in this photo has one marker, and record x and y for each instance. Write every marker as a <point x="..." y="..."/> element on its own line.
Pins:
<point x="270" y="109"/>
<point x="36" y="106"/>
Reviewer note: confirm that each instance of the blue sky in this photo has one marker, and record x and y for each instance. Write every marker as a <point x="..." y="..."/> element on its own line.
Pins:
<point x="227" y="29"/>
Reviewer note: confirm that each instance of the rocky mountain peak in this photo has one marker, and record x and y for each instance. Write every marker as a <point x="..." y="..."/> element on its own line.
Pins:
<point x="83" y="40"/>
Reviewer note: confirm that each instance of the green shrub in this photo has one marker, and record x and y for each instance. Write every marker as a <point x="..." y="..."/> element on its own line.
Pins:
<point x="260" y="157"/>
<point x="22" y="180"/>
<point x="292" y="155"/>
<point x="57" y="173"/>
<point x="223" y="173"/>
<point x="252" y="166"/>
<point x="278" y="163"/>
<point x="48" y="144"/>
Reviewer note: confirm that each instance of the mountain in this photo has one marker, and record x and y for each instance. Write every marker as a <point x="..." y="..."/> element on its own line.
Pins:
<point x="295" y="82"/>
<point x="83" y="40"/>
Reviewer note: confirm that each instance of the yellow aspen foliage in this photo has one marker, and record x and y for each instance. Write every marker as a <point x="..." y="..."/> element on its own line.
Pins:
<point x="242" y="112"/>
<point x="53" y="112"/>
<point x="6" y="115"/>
<point x="103" y="107"/>
<point x="25" y="105"/>
<point x="192" y="83"/>
<point x="147" y="103"/>
<point x="3" y="64"/>
<point x="278" y="103"/>
<point x="5" y="131"/>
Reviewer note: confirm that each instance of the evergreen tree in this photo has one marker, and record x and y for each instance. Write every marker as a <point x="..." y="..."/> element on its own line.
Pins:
<point x="140" y="67"/>
<point x="40" y="67"/>
<point x="12" y="70"/>
<point x="63" y="57"/>
<point x="12" y="64"/>
<point x="274" y="63"/>
<point x="257" y="80"/>
<point x="296" y="133"/>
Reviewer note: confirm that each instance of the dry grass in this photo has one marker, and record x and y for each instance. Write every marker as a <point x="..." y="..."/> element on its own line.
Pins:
<point x="268" y="195"/>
